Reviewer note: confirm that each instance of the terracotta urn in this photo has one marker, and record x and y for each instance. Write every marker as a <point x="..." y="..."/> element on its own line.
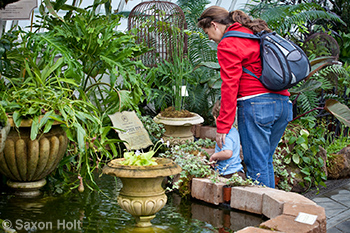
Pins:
<point x="178" y="130"/>
<point x="142" y="194"/>
<point x="27" y="162"/>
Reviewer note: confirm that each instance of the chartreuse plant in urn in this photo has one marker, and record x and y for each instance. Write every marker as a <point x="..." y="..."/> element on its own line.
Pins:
<point x="138" y="158"/>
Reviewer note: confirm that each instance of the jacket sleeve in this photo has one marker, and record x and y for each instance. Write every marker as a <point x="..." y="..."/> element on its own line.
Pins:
<point x="230" y="62"/>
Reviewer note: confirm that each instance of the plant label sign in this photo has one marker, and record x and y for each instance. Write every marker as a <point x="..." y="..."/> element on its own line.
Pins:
<point x="130" y="129"/>
<point x="18" y="10"/>
<point x="306" y="218"/>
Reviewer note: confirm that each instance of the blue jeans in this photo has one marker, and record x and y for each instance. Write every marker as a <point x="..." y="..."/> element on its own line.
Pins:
<point x="261" y="124"/>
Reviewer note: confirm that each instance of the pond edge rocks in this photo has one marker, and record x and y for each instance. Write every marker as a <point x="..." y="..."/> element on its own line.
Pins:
<point x="279" y="206"/>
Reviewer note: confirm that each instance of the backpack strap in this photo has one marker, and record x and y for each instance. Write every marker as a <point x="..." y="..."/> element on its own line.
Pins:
<point x="242" y="35"/>
<point x="249" y="72"/>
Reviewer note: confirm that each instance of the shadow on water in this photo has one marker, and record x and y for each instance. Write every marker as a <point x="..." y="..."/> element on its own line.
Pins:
<point x="97" y="212"/>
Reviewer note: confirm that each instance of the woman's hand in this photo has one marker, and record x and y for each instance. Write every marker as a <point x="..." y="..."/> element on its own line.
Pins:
<point x="220" y="139"/>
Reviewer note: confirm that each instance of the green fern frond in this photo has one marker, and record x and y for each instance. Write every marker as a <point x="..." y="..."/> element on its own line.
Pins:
<point x="192" y="11"/>
<point x="308" y="101"/>
<point x="302" y="17"/>
<point x="283" y="18"/>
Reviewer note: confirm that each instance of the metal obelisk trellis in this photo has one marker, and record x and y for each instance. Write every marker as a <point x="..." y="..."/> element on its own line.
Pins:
<point x="156" y="22"/>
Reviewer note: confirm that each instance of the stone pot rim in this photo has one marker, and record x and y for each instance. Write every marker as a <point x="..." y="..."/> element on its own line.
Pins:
<point x="28" y="122"/>
<point x="179" y="121"/>
<point x="165" y="167"/>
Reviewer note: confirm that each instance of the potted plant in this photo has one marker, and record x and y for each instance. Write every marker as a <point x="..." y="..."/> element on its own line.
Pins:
<point x="171" y="84"/>
<point x="4" y="128"/>
<point x="44" y="114"/>
<point x="98" y="61"/>
<point x="142" y="194"/>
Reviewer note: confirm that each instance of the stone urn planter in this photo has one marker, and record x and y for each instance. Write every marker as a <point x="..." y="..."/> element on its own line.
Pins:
<point x="4" y="131"/>
<point x="25" y="162"/>
<point x="142" y="194"/>
<point x="178" y="130"/>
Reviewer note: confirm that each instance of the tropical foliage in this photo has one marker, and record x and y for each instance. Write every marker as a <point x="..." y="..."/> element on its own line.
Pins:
<point x="297" y="20"/>
<point x="102" y="51"/>
<point x="79" y="70"/>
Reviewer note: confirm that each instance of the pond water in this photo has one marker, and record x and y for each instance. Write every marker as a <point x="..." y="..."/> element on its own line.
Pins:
<point x="99" y="212"/>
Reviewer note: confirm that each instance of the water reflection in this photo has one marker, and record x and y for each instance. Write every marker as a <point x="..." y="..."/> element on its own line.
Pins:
<point x="97" y="212"/>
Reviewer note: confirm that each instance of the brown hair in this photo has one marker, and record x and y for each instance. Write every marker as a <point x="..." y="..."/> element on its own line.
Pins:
<point x="216" y="108"/>
<point x="222" y="16"/>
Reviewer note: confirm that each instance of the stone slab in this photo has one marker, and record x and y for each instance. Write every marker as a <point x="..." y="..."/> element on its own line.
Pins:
<point x="253" y="230"/>
<point x="204" y="189"/>
<point x="272" y="203"/>
<point x="287" y="224"/>
<point x="294" y="210"/>
<point x="249" y="198"/>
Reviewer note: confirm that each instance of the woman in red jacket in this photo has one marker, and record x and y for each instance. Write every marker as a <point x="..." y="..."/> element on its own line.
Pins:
<point x="262" y="114"/>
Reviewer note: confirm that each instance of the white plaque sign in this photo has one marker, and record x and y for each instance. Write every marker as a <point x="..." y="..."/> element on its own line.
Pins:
<point x="132" y="130"/>
<point x="18" y="10"/>
<point x="306" y="218"/>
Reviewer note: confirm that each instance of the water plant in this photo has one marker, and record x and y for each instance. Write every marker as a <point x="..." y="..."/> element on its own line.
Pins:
<point x="138" y="158"/>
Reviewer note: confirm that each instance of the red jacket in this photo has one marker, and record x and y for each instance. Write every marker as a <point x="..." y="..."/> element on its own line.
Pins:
<point x="233" y="54"/>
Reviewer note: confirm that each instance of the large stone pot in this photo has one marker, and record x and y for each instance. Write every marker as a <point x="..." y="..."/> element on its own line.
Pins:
<point x="26" y="163"/>
<point x="142" y="194"/>
<point x="178" y="130"/>
<point x="4" y="131"/>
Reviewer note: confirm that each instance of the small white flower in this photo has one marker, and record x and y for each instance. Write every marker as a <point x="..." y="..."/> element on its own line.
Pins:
<point x="137" y="152"/>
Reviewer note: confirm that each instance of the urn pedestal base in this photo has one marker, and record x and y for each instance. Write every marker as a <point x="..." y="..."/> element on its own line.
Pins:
<point x="142" y="198"/>
<point x="27" y="189"/>
<point x="142" y="194"/>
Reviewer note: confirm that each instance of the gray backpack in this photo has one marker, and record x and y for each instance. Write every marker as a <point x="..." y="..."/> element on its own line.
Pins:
<point x="284" y="64"/>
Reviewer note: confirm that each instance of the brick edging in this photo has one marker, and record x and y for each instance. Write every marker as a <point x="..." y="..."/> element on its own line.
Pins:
<point x="279" y="206"/>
